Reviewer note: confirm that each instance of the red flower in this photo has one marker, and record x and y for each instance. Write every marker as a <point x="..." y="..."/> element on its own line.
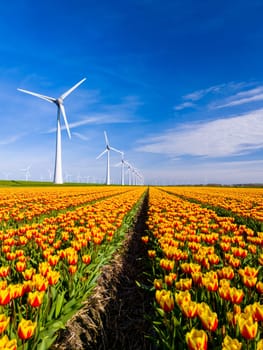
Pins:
<point x="26" y="329"/>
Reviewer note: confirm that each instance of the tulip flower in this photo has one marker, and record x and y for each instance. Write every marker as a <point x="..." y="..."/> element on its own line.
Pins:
<point x="72" y="269"/>
<point x="145" y="239"/>
<point x="196" y="339"/>
<point x="182" y="297"/>
<point x="53" y="277"/>
<point x="231" y="344"/>
<point x="248" y="328"/>
<point x="26" y="329"/>
<point x="197" y="277"/>
<point x="158" y="283"/>
<point x="151" y="254"/>
<point x="234" y="262"/>
<point x="4" y="321"/>
<point x="86" y="259"/>
<point x="184" y="284"/>
<point x="210" y="282"/>
<point x="4" y="271"/>
<point x="260" y="345"/>
<point x="28" y="274"/>
<point x="189" y="309"/>
<point x="5" y="296"/>
<point x="16" y="290"/>
<point x="167" y="264"/>
<point x="209" y="320"/>
<point x="257" y="311"/>
<point x="165" y="299"/>
<point x="40" y="282"/>
<point x="20" y="266"/>
<point x="248" y="271"/>
<point x="3" y="284"/>
<point x="72" y="259"/>
<point x="10" y="256"/>
<point x="224" y="292"/>
<point x="7" y="344"/>
<point x="35" y="299"/>
<point x="249" y="281"/>
<point x="44" y="268"/>
<point x="260" y="259"/>
<point x="236" y="295"/>
<point x="259" y="287"/>
<point x="53" y="260"/>
<point x="226" y="272"/>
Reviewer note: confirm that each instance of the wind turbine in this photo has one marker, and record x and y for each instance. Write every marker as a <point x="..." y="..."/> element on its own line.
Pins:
<point x="58" y="178"/>
<point x="122" y="164"/>
<point x="129" y="167"/>
<point x="107" y="150"/>
<point x="27" y="172"/>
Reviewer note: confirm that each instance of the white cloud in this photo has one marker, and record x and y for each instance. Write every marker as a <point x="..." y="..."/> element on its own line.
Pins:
<point x="219" y="138"/>
<point x="243" y="97"/>
<point x="10" y="139"/>
<point x="197" y="95"/>
<point x="184" y="105"/>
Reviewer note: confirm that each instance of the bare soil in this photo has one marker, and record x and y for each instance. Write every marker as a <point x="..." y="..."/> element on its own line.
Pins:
<point x="114" y="316"/>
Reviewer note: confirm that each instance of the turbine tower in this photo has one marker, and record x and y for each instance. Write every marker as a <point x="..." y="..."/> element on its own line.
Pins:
<point x="122" y="164"/>
<point x="107" y="150"/>
<point x="27" y="172"/>
<point x="58" y="178"/>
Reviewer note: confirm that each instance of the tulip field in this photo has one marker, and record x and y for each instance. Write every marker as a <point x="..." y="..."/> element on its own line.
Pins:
<point x="203" y="261"/>
<point x="53" y="242"/>
<point x="208" y="285"/>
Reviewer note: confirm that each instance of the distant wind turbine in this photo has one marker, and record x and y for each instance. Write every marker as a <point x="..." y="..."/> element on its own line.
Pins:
<point x="27" y="172"/>
<point x="122" y="164"/>
<point x="58" y="178"/>
<point x="129" y="167"/>
<point x="107" y="150"/>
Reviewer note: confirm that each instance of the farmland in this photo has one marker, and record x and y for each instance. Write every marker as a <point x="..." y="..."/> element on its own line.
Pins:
<point x="194" y="270"/>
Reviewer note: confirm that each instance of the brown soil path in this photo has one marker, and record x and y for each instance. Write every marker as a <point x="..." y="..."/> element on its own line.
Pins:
<point x="114" y="316"/>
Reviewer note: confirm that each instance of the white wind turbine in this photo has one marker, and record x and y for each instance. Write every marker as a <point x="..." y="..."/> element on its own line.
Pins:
<point x="27" y="172"/>
<point x="107" y="150"/>
<point x="129" y="167"/>
<point x="122" y="164"/>
<point x="58" y="178"/>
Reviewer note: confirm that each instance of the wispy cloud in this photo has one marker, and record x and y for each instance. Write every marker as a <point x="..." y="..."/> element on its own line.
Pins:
<point x="224" y="89"/>
<point x="233" y="136"/>
<point x="10" y="139"/>
<point x="197" y="95"/>
<point x="184" y="105"/>
<point x="244" y="97"/>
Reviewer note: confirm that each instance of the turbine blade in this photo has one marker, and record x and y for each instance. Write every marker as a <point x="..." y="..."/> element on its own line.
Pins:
<point x="106" y="139"/>
<point x="63" y="96"/>
<point x="115" y="150"/>
<point x="47" y="98"/>
<point x="100" y="155"/>
<point x="65" y="118"/>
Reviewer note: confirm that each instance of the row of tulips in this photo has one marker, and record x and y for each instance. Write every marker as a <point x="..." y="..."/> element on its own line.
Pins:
<point x="207" y="277"/>
<point x="245" y="202"/>
<point x="49" y="268"/>
<point x="23" y="205"/>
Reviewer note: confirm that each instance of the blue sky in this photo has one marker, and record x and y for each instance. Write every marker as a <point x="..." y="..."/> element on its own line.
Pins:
<point x="177" y="86"/>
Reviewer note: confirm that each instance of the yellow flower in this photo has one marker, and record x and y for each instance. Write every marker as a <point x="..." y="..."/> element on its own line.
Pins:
<point x="196" y="339"/>
<point x="26" y="329"/>
<point x="231" y="344"/>
<point x="7" y="344"/>
<point x="165" y="299"/>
